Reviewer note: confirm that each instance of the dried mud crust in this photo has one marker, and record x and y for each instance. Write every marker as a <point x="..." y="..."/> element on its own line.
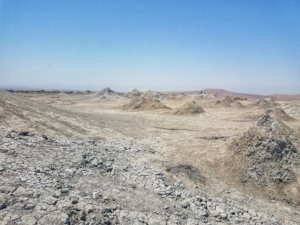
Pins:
<point x="47" y="181"/>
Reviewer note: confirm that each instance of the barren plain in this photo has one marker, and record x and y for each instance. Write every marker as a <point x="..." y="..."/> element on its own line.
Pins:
<point x="148" y="158"/>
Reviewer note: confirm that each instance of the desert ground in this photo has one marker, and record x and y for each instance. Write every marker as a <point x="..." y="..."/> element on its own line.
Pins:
<point x="148" y="158"/>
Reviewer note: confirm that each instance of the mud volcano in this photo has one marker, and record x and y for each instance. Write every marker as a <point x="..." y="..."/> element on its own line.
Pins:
<point x="105" y="93"/>
<point x="280" y="114"/>
<point x="265" y="103"/>
<point x="265" y="159"/>
<point x="189" y="108"/>
<point x="143" y="104"/>
<point x="228" y="101"/>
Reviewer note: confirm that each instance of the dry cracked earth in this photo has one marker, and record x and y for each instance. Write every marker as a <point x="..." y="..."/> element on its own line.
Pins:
<point x="115" y="158"/>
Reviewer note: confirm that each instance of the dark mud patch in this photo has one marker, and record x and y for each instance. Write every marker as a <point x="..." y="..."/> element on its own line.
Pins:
<point x="190" y="171"/>
<point x="214" y="137"/>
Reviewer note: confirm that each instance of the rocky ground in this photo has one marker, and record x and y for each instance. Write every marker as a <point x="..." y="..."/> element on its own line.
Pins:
<point x="45" y="181"/>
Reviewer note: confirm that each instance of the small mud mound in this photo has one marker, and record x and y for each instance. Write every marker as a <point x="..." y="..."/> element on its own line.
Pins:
<point x="104" y="92"/>
<point x="265" y="103"/>
<point x="107" y="91"/>
<point x="190" y="171"/>
<point x="107" y="94"/>
<point x="265" y="159"/>
<point x="142" y="103"/>
<point x="228" y="101"/>
<point x="279" y="113"/>
<point x="189" y="108"/>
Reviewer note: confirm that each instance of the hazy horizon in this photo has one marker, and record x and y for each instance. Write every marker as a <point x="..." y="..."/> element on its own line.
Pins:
<point x="24" y="88"/>
<point x="241" y="46"/>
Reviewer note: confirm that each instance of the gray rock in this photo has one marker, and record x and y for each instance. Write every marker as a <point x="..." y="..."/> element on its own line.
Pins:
<point x="185" y="204"/>
<point x="28" y="220"/>
<point x="50" y="200"/>
<point x="64" y="190"/>
<point x="203" y="213"/>
<point x="21" y="191"/>
<point x="74" y="200"/>
<point x="57" y="194"/>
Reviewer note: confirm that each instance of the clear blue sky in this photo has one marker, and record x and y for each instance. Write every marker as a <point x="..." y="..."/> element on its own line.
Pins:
<point x="165" y="45"/>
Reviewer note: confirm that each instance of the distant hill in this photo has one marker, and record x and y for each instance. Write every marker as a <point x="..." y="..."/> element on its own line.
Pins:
<point x="278" y="97"/>
<point x="222" y="92"/>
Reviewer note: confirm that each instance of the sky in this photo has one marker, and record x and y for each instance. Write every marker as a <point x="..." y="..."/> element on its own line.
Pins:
<point x="162" y="45"/>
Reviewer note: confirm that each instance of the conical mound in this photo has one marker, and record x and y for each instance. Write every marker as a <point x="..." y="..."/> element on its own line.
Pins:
<point x="279" y="113"/>
<point x="265" y="158"/>
<point x="189" y="108"/>
<point x="273" y="126"/>
<point x="228" y="101"/>
<point x="142" y="103"/>
<point x="107" y="91"/>
<point x="265" y="103"/>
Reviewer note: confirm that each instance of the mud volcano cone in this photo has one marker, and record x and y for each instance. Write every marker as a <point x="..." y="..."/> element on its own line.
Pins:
<point x="228" y="101"/>
<point x="265" y="103"/>
<point x="143" y="103"/>
<point x="265" y="159"/>
<point x="279" y="113"/>
<point x="189" y="108"/>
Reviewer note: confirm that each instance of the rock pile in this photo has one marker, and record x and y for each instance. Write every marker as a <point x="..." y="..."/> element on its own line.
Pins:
<point x="266" y="158"/>
<point x="189" y="108"/>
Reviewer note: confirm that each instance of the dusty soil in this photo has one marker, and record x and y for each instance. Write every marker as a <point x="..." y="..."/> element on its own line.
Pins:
<point x="81" y="159"/>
